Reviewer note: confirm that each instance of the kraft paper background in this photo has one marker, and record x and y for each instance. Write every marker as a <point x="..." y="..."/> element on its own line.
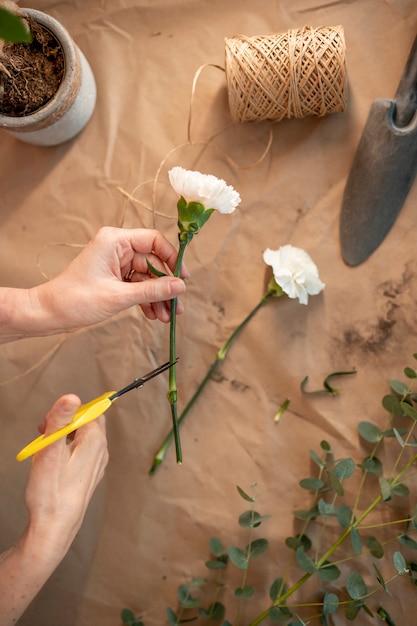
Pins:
<point x="143" y="536"/>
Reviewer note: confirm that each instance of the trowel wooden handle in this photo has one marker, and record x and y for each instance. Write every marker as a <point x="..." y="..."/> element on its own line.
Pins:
<point x="406" y="94"/>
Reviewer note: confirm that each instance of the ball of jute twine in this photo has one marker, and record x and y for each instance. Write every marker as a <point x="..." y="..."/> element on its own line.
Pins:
<point x="293" y="74"/>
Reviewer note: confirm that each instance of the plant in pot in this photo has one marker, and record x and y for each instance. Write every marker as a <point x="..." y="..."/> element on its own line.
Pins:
<point x="47" y="87"/>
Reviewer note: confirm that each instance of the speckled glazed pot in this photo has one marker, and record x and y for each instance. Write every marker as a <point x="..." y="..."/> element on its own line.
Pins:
<point x="67" y="113"/>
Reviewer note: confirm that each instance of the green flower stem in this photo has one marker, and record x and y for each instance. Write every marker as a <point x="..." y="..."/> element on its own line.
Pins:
<point x="220" y="356"/>
<point x="172" y="391"/>
<point x="300" y="582"/>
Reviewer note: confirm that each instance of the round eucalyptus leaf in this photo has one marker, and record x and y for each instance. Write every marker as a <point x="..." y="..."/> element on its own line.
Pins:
<point x="326" y="508"/>
<point x="399" y="387"/>
<point x="277" y="588"/>
<point x="344" y="468"/>
<point x="216" y="564"/>
<point x="311" y="484"/>
<point x="244" y="592"/>
<point x="305" y="562"/>
<point x="407" y="541"/>
<point x="216" y="611"/>
<point x="374" y="547"/>
<point x="356" y="540"/>
<point x="279" y="614"/>
<point x="344" y="515"/>
<point x="370" y="432"/>
<point x="238" y="557"/>
<point x="409" y="410"/>
<point x="257" y="547"/>
<point x="372" y="465"/>
<point x="355" y="586"/>
<point x="392" y="405"/>
<point x="399" y="563"/>
<point x="251" y="519"/>
<point x="127" y="616"/>
<point x="330" y="603"/>
<point x="216" y="546"/>
<point x="328" y="572"/>
<point x="400" y="490"/>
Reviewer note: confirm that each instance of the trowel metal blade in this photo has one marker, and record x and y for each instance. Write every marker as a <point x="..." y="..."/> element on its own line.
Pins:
<point x="380" y="179"/>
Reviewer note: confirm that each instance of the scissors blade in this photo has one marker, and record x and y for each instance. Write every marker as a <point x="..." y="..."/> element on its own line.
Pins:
<point x="139" y="382"/>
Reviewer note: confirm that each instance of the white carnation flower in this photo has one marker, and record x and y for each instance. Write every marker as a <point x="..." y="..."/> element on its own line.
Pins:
<point x="294" y="271"/>
<point x="208" y="190"/>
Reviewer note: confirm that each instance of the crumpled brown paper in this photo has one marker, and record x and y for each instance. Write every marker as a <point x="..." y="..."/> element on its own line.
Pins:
<point x="144" y="536"/>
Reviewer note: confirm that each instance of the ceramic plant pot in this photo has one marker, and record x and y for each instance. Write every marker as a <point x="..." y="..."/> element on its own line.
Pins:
<point x="72" y="106"/>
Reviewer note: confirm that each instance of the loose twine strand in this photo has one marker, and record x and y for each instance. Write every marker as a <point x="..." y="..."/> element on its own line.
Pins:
<point x="294" y="74"/>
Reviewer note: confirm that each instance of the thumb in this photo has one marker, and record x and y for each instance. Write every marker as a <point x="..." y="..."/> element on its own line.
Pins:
<point x="61" y="413"/>
<point x="158" y="289"/>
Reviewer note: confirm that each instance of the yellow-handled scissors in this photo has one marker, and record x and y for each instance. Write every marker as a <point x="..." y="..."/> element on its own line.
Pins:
<point x="89" y="412"/>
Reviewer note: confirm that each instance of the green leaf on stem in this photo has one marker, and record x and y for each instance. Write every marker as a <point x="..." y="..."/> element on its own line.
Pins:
<point x="279" y="614"/>
<point x="407" y="541"/>
<point x="400" y="490"/>
<point x="355" y="586"/>
<point x="400" y="388"/>
<point x="172" y="618"/>
<point x="128" y="618"/>
<point x="326" y="508"/>
<point x="410" y="372"/>
<point x="386" y="488"/>
<point x="297" y="541"/>
<point x="356" y="540"/>
<point x="330" y="603"/>
<point x="219" y="564"/>
<point x="392" y="405"/>
<point x="257" y="547"/>
<point x="216" y="547"/>
<point x="344" y="515"/>
<point x="186" y="599"/>
<point x="305" y="562"/>
<point x="381" y="580"/>
<point x="328" y="572"/>
<point x="238" y="557"/>
<point x="311" y="484"/>
<point x="336" y="484"/>
<point x="352" y="609"/>
<point x="12" y="28"/>
<point x="306" y="515"/>
<point x="344" y="468"/>
<point x="277" y="589"/>
<point x="399" y="563"/>
<point x="370" y="432"/>
<point x="385" y="616"/>
<point x="244" y="495"/>
<point x="372" y="465"/>
<point x="409" y="410"/>
<point x="374" y="547"/>
<point x="243" y="593"/>
<point x="153" y="269"/>
<point x="215" y="611"/>
<point x="251" y="519"/>
<point x="317" y="460"/>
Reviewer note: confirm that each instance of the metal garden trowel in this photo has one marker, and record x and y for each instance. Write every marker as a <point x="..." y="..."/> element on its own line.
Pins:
<point x="383" y="169"/>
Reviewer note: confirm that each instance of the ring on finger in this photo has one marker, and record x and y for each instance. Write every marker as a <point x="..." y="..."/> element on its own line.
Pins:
<point x="129" y="275"/>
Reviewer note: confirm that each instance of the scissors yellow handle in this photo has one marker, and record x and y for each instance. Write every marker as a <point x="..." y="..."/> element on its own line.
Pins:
<point x="86" y="413"/>
<point x="89" y="412"/>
